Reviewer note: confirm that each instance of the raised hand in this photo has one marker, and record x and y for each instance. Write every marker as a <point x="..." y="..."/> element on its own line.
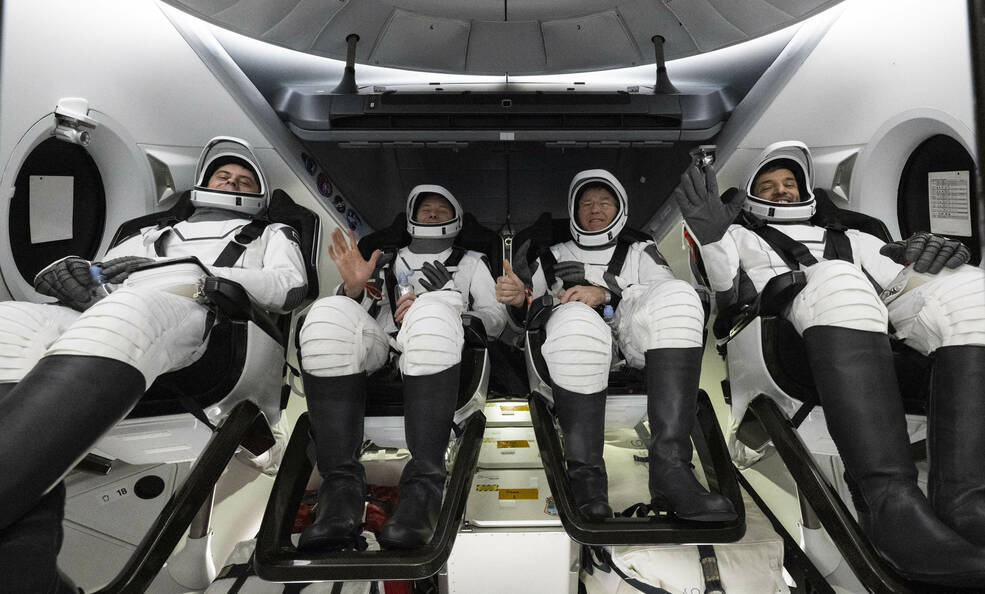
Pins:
<point x="927" y="252"/>
<point x="355" y="270"/>
<point x="436" y="277"/>
<point x="509" y="287"/>
<point x="707" y="215"/>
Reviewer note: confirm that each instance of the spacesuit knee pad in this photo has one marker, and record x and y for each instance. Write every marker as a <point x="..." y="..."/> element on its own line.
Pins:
<point x="668" y="316"/>
<point x="838" y="294"/>
<point x="340" y="338"/>
<point x="149" y="329"/>
<point x="431" y="335"/>
<point x="578" y="349"/>
<point x="26" y="330"/>
<point x="947" y="310"/>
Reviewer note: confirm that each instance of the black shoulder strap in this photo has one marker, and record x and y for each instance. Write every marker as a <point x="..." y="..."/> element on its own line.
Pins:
<point x="793" y="253"/>
<point x="390" y="281"/>
<point x="235" y="248"/>
<point x="548" y="261"/>
<point x="618" y="257"/>
<point x="837" y="246"/>
<point x="457" y="253"/>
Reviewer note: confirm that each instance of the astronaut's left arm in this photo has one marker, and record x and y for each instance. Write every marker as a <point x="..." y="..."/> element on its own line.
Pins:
<point x="281" y="282"/>
<point x="482" y="289"/>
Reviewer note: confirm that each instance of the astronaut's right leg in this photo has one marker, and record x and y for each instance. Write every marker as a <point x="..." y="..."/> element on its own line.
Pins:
<point x="578" y="353"/>
<point x="340" y="344"/>
<point x="844" y="323"/>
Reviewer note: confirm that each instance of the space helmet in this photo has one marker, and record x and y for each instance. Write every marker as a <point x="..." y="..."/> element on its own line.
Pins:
<point x="220" y="151"/>
<point x="579" y="184"/>
<point x="447" y="229"/>
<point x="792" y="155"/>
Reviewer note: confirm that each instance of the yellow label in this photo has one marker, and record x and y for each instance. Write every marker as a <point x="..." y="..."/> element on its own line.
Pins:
<point x="488" y="439"/>
<point x="514" y="407"/>
<point x="487" y="487"/>
<point x="518" y="494"/>
<point x="513" y="443"/>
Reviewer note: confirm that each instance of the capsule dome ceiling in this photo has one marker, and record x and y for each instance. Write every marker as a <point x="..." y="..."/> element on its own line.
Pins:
<point x="503" y="36"/>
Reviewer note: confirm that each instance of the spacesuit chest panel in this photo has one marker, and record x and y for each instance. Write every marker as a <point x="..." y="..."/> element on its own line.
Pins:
<point x="205" y="240"/>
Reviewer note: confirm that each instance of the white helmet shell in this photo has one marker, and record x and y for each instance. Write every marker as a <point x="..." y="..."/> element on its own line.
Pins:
<point x="797" y="157"/>
<point x="447" y="229"/>
<point x="216" y="153"/>
<point x="601" y="237"/>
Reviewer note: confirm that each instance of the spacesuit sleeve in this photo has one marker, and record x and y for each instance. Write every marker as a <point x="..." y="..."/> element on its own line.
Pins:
<point x="482" y="288"/>
<point x="281" y="282"/>
<point x="722" y="265"/>
<point x="881" y="268"/>
<point x="653" y="268"/>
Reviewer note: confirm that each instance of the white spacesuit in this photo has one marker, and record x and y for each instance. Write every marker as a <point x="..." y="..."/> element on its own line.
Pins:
<point x="344" y="338"/>
<point x="70" y="371"/>
<point x="856" y="286"/>
<point x="658" y="324"/>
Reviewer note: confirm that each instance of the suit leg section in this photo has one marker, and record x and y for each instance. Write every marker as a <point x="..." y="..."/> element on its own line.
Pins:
<point x="956" y="438"/>
<point x="582" y="420"/>
<point x="429" y="406"/>
<point x="336" y="407"/>
<point x="59" y="410"/>
<point x="672" y="377"/>
<point x="856" y="382"/>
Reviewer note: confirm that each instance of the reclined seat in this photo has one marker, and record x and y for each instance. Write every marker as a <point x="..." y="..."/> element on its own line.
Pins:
<point x="775" y="405"/>
<point x="205" y="412"/>
<point x="625" y="406"/>
<point x="277" y="557"/>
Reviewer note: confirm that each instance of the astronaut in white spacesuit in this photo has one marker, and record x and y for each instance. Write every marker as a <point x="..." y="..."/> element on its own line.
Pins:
<point x="352" y="334"/>
<point x="72" y="370"/>
<point x="857" y="286"/>
<point x="658" y="323"/>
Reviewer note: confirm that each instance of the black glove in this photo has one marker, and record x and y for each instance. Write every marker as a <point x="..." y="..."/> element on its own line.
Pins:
<point x="707" y="216"/>
<point x="928" y="252"/>
<point x="521" y="267"/>
<point x="570" y="272"/>
<point x="69" y="281"/>
<point x="117" y="270"/>
<point x="436" y="277"/>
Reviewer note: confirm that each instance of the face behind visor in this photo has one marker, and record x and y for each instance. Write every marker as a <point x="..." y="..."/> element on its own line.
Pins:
<point x="579" y="184"/>
<point x="220" y="151"/>
<point x="796" y="157"/>
<point x="446" y="229"/>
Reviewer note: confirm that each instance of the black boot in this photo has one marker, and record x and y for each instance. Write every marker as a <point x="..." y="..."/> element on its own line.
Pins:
<point x="856" y="381"/>
<point x="336" y="408"/>
<point x="29" y="548"/>
<point x="582" y="420"/>
<point x="672" y="377"/>
<point x="53" y="417"/>
<point x="429" y="407"/>
<point x="956" y="438"/>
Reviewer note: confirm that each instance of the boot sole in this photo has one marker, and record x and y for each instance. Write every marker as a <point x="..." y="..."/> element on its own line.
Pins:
<point x="708" y="517"/>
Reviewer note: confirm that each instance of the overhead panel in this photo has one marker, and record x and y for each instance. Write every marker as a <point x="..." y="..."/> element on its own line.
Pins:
<point x="439" y="44"/>
<point x="505" y="47"/>
<point x="294" y="30"/>
<point x="572" y="44"/>
<point x="496" y="37"/>
<point x="704" y="24"/>
<point x="255" y="16"/>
